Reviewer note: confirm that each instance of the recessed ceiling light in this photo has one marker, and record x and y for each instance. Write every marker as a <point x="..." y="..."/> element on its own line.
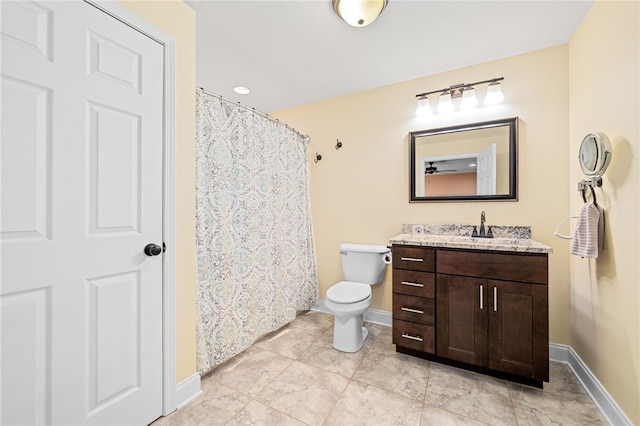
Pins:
<point x="241" y="90"/>
<point x="472" y="165"/>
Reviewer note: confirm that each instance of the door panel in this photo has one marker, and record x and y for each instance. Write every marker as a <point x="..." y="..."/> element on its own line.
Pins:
<point x="515" y="328"/>
<point x="27" y="26"/>
<point x="461" y="319"/>
<point x="114" y="62"/>
<point x="114" y="169"/>
<point x="26" y="109"/>
<point x="25" y="396"/>
<point x="112" y="338"/>
<point x="81" y="196"/>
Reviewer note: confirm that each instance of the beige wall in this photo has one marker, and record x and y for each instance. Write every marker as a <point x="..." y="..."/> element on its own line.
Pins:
<point x="179" y="21"/>
<point x="360" y="193"/>
<point x="605" y="295"/>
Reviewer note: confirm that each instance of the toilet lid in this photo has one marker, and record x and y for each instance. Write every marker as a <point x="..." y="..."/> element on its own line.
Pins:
<point x="348" y="292"/>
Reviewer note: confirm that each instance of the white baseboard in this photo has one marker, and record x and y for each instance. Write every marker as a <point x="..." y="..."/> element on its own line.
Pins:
<point x="188" y="390"/>
<point x="558" y="353"/>
<point x="610" y="410"/>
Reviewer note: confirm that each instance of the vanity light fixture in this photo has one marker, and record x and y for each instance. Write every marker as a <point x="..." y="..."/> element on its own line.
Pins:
<point x="423" y="107"/>
<point x="494" y="94"/>
<point x="445" y="104"/>
<point x="469" y="99"/>
<point x="466" y="91"/>
<point x="359" y="13"/>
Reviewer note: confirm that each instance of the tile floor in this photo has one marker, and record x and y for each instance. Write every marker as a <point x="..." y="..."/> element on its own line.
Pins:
<point x="294" y="377"/>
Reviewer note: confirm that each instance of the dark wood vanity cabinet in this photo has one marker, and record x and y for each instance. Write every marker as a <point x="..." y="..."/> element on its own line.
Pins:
<point x="491" y="310"/>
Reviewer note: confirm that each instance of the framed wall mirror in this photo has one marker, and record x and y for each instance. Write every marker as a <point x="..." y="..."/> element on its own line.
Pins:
<point x="470" y="162"/>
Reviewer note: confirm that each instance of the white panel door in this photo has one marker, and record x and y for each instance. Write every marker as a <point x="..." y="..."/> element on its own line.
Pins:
<point x="81" y="196"/>
<point x="486" y="171"/>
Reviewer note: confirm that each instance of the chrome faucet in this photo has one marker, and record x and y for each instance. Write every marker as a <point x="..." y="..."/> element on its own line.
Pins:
<point x="483" y="233"/>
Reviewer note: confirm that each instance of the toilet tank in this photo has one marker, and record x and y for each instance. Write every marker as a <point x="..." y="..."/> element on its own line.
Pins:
<point x="363" y="263"/>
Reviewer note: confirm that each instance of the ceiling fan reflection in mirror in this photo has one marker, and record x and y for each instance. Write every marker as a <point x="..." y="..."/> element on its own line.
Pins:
<point x="431" y="169"/>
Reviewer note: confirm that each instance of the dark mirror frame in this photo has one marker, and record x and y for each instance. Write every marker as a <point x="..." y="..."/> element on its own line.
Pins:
<point x="511" y="123"/>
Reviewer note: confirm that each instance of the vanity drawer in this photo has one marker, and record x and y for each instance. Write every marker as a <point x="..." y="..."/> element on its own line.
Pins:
<point x="524" y="267"/>
<point x="414" y="336"/>
<point x="412" y="308"/>
<point x="414" y="283"/>
<point x="414" y="258"/>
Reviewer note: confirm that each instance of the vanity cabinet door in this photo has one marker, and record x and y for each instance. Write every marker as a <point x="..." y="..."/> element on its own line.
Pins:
<point x="518" y="329"/>
<point x="461" y="319"/>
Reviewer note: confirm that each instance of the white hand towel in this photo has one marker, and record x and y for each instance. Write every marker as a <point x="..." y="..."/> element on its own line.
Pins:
<point x="585" y="237"/>
<point x="600" y="228"/>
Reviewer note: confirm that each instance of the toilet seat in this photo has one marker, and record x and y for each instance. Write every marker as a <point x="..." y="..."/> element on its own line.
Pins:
<point x="348" y="292"/>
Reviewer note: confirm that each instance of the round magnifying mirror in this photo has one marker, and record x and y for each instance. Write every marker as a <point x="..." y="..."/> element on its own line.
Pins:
<point x="595" y="154"/>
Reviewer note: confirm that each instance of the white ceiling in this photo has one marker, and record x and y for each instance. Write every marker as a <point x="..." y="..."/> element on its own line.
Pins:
<point x="291" y="53"/>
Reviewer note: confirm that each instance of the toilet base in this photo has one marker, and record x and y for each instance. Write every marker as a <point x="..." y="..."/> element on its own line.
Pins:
<point x="349" y="334"/>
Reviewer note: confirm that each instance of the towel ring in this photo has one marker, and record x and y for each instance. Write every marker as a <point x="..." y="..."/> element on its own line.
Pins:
<point x="593" y="194"/>
<point x="557" y="231"/>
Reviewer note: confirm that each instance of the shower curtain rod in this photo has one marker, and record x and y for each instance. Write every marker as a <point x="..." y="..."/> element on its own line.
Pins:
<point x="305" y="138"/>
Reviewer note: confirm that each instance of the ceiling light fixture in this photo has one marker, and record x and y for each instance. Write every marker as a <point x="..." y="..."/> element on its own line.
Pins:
<point x="241" y="90"/>
<point x="465" y="91"/>
<point x="359" y="13"/>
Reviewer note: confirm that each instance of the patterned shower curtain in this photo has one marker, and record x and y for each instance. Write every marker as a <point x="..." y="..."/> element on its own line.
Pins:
<point x="255" y="248"/>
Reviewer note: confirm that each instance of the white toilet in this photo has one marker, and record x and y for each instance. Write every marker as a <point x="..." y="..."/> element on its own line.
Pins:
<point x="363" y="265"/>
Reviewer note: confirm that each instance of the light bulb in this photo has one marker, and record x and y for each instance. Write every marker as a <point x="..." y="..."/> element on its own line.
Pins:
<point x="494" y="94"/>
<point x="423" y="109"/>
<point x="445" y="104"/>
<point x="469" y="99"/>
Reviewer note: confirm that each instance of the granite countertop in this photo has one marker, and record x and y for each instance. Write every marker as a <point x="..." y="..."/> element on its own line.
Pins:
<point x="458" y="236"/>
